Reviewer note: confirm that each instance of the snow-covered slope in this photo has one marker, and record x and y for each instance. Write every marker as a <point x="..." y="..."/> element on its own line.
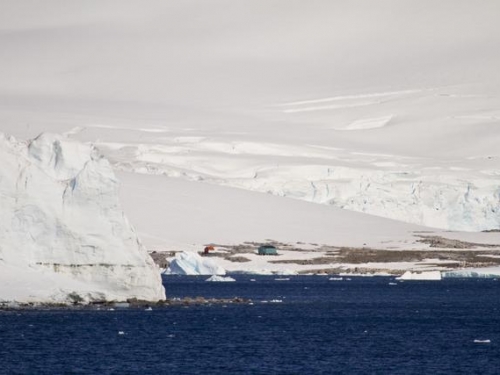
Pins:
<point x="461" y="193"/>
<point x="174" y="214"/>
<point x="63" y="235"/>
<point x="384" y="107"/>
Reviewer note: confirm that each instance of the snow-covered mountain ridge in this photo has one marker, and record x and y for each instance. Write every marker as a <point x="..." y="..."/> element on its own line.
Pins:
<point x="442" y="194"/>
<point x="423" y="156"/>
<point x="63" y="234"/>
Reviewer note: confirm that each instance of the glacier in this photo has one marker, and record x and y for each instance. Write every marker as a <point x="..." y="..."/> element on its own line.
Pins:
<point x="477" y="273"/>
<point x="63" y="235"/>
<point x="423" y="192"/>
<point x="485" y="272"/>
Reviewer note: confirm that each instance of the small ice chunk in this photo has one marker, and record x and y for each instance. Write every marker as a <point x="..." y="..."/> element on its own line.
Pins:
<point x="480" y="341"/>
<point x="220" y="278"/>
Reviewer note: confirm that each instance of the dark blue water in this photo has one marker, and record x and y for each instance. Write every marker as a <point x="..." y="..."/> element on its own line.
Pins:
<point x="361" y="326"/>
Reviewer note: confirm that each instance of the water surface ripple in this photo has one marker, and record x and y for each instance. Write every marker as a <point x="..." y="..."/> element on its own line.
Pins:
<point x="304" y="325"/>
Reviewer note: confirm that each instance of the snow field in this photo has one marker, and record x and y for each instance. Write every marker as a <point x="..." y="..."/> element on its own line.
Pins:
<point x="426" y="192"/>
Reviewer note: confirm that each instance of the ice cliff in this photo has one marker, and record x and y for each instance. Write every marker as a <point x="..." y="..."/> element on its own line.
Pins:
<point x="63" y="234"/>
<point x="486" y="272"/>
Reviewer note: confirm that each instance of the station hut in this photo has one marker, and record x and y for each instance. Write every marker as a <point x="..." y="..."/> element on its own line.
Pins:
<point x="267" y="250"/>
<point x="207" y="249"/>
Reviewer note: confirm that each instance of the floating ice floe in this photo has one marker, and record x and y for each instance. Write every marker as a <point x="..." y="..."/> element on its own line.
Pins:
<point x="479" y="341"/>
<point x="287" y="272"/>
<point x="220" y="278"/>
<point x="424" y="275"/>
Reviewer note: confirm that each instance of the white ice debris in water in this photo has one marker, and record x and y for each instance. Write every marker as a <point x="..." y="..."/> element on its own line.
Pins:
<point x="480" y="341"/>
<point x="190" y="263"/>
<point x="63" y="234"/>
<point x="424" y="275"/>
<point x="220" y="278"/>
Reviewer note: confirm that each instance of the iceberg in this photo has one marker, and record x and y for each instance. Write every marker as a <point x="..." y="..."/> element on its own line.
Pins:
<point x="63" y="235"/>
<point x="190" y="263"/>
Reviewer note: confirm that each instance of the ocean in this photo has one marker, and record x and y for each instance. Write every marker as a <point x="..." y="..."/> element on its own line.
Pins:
<point x="294" y="325"/>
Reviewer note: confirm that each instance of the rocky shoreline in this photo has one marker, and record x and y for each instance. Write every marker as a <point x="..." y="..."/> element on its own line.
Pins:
<point x="441" y="254"/>
<point x="129" y="304"/>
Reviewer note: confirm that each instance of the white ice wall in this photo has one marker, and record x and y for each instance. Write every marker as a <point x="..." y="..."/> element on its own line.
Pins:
<point x="62" y="228"/>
